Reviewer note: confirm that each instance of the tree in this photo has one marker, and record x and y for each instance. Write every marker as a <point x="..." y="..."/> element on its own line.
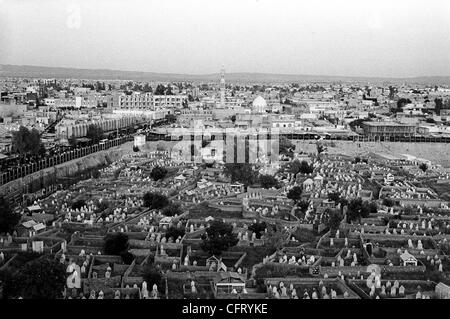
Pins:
<point x="171" y="118"/>
<point x="294" y="167"/>
<point x="78" y="204"/>
<point x="155" y="200"/>
<point x="276" y="236"/>
<point x="388" y="202"/>
<point x="94" y="133"/>
<point x="335" y="197"/>
<point x="158" y="172"/>
<point x="147" y="88"/>
<point x="306" y="168"/>
<point x="172" y="209"/>
<point x="268" y="181"/>
<point x="73" y="141"/>
<point x="354" y="210"/>
<point x="115" y="244"/>
<point x="233" y="118"/>
<point x="295" y="193"/>
<point x="96" y="174"/>
<point x="136" y="149"/>
<point x="25" y="141"/>
<point x="303" y="205"/>
<point x="300" y="167"/>
<point x="42" y="278"/>
<point x="160" y="89"/>
<point x="357" y="123"/>
<point x="127" y="257"/>
<point x="240" y="172"/>
<point x="423" y="167"/>
<point x="9" y="283"/>
<point x="334" y="219"/>
<point x="218" y="237"/>
<point x="320" y="149"/>
<point x="358" y="209"/>
<point x="258" y="228"/>
<point x="8" y="219"/>
<point x="174" y="232"/>
<point x="152" y="275"/>
<point x="401" y="103"/>
<point x="438" y="105"/>
<point x="286" y="147"/>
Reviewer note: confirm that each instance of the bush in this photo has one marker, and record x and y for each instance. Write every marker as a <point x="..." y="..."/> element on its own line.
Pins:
<point x="155" y="200"/>
<point x="43" y="278"/>
<point x="335" y="197"/>
<point x="218" y="237"/>
<point x="115" y="244"/>
<point x="304" y="236"/>
<point x="300" y="167"/>
<point x="94" y="133"/>
<point x="280" y="270"/>
<point x="96" y="174"/>
<point x="240" y="172"/>
<point x="174" y="232"/>
<point x="334" y="220"/>
<point x="423" y="167"/>
<point x="358" y="209"/>
<point x="158" y="173"/>
<point x="10" y="282"/>
<point x="172" y="209"/>
<point x="303" y="205"/>
<point x="78" y="204"/>
<point x="152" y="275"/>
<point x="388" y="202"/>
<point x="258" y="228"/>
<point x="8" y="219"/>
<point x="127" y="257"/>
<point x="295" y="193"/>
<point x="102" y="206"/>
<point x="268" y="181"/>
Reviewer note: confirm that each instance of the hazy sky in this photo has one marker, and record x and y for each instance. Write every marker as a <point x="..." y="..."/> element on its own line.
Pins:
<point x="336" y="37"/>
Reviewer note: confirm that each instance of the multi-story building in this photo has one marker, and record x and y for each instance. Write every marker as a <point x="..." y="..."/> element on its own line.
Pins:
<point x="134" y="100"/>
<point x="388" y="129"/>
<point x="65" y="102"/>
<point x="171" y="101"/>
<point x="147" y="101"/>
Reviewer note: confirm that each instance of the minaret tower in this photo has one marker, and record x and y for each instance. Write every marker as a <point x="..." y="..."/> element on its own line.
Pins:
<point x="222" y="88"/>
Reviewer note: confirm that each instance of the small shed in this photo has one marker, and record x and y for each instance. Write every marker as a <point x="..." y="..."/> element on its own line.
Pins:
<point x="408" y="259"/>
<point x="229" y="282"/>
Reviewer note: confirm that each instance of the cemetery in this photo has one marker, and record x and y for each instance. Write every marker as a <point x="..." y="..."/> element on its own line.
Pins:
<point x="281" y="246"/>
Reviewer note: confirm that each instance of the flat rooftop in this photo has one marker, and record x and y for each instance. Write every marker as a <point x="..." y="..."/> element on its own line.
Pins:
<point x="386" y="124"/>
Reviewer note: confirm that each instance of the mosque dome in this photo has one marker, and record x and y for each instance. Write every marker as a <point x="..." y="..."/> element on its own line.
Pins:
<point x="259" y="104"/>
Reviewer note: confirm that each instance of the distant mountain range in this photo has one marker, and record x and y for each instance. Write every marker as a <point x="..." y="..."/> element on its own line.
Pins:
<point x="29" y="71"/>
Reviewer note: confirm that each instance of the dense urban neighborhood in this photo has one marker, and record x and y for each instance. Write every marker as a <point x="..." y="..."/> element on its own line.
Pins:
<point x="114" y="189"/>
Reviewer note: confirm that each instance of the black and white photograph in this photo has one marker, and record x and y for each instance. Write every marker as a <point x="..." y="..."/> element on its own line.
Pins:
<point x="218" y="157"/>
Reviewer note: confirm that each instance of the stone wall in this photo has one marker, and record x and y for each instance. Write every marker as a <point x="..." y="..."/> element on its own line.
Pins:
<point x="51" y="175"/>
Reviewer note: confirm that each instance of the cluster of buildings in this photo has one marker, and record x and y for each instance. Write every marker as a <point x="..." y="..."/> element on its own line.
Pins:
<point x="313" y="246"/>
<point x="335" y="110"/>
<point x="285" y="249"/>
